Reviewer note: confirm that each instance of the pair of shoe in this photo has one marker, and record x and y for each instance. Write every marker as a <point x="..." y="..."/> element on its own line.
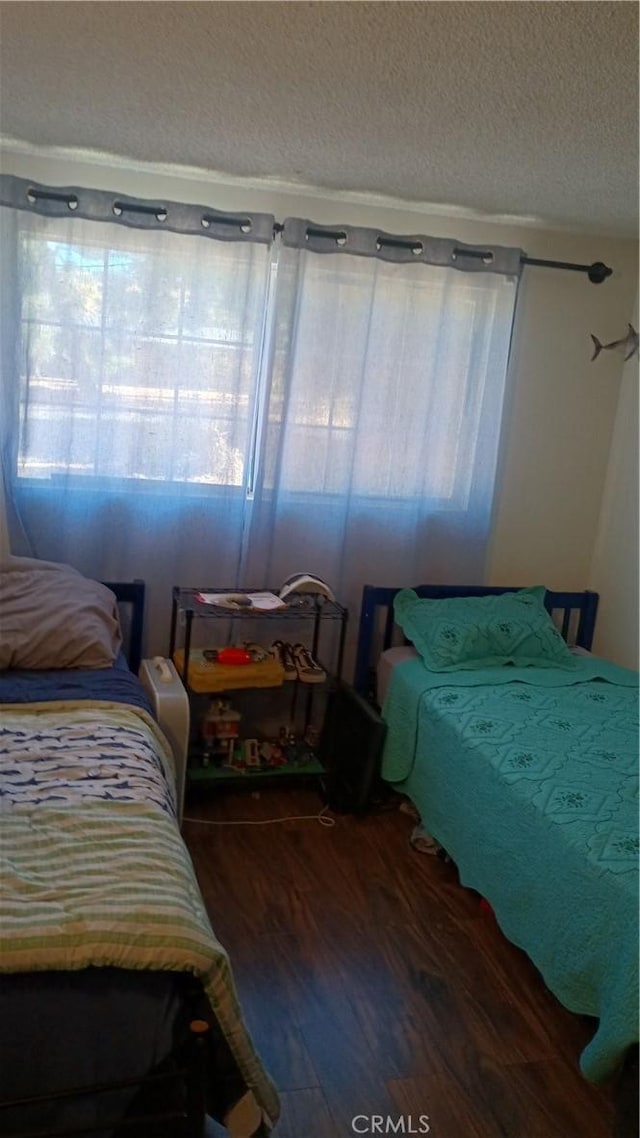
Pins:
<point x="298" y="663"/>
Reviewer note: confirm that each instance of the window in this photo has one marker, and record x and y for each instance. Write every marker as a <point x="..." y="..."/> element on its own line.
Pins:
<point x="139" y="358"/>
<point x="144" y="362"/>
<point x="384" y="378"/>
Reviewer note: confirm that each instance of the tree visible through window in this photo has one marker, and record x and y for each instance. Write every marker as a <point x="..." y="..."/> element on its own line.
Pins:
<point x="139" y="361"/>
<point x="143" y="362"/>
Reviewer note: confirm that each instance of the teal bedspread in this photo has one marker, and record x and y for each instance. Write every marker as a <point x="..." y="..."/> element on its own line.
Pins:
<point x="529" y="779"/>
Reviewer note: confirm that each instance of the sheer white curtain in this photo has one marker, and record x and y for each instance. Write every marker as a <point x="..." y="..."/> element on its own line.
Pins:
<point x="181" y="404"/>
<point x="383" y="421"/>
<point x="129" y="397"/>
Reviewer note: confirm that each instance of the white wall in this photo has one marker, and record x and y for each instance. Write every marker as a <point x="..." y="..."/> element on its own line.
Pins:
<point x="614" y="571"/>
<point x="558" y="428"/>
<point x="561" y="408"/>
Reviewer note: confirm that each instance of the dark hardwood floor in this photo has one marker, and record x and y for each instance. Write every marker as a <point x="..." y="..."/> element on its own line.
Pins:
<point x="373" y="983"/>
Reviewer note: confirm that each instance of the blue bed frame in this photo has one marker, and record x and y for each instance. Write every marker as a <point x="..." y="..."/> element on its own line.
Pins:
<point x="186" y="1069"/>
<point x="130" y="598"/>
<point x="575" y="614"/>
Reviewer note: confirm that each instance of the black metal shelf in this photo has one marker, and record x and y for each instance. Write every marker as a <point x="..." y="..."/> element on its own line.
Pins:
<point x="207" y="774"/>
<point x="309" y="610"/>
<point x="305" y="606"/>
<point x="185" y="608"/>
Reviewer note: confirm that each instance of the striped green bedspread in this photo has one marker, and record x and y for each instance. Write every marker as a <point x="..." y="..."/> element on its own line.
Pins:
<point x="529" y="779"/>
<point x="94" y="871"/>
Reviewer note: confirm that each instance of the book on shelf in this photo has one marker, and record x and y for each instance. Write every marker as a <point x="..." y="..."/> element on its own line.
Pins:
<point x="243" y="602"/>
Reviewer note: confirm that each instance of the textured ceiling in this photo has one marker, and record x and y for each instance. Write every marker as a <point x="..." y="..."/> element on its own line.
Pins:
<point x="525" y="108"/>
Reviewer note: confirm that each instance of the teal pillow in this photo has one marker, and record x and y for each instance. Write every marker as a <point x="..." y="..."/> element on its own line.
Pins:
<point x="460" y="633"/>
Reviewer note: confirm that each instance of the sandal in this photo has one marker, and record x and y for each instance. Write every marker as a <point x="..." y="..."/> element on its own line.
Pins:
<point x="309" y="672"/>
<point x="284" y="654"/>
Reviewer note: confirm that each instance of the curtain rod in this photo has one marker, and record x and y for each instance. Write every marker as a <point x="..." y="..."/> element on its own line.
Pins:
<point x="597" y="272"/>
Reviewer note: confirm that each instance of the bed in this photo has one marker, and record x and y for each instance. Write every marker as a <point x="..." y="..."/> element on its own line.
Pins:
<point x="525" y="770"/>
<point x="111" y="979"/>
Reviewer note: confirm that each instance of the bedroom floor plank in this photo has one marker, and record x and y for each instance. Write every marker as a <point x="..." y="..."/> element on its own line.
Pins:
<point x="373" y="983"/>
<point x="448" y="1107"/>
<point x="305" y="1114"/>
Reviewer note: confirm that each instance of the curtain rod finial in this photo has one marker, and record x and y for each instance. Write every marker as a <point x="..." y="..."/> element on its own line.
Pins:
<point x="598" y="272"/>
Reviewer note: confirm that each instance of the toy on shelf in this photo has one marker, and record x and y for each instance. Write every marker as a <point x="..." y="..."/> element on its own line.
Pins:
<point x="220" y="730"/>
<point x="272" y="755"/>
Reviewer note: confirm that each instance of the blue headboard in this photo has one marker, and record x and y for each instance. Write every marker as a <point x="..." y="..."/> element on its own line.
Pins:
<point x="574" y="613"/>
<point x="130" y="598"/>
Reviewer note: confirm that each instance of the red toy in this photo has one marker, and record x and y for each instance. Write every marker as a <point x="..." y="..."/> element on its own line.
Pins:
<point x="233" y="656"/>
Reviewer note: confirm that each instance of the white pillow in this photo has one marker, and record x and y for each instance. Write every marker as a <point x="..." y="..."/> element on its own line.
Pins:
<point x="53" y="617"/>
